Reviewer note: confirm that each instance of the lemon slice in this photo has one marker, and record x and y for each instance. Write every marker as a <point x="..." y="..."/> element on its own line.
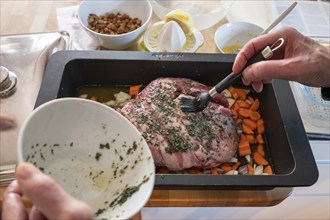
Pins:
<point x="181" y="17"/>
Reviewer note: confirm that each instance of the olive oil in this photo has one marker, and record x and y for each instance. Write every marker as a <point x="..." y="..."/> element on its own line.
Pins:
<point x="232" y="48"/>
<point x="102" y="94"/>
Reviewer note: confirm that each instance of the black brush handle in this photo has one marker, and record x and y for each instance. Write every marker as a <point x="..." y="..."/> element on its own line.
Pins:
<point x="233" y="77"/>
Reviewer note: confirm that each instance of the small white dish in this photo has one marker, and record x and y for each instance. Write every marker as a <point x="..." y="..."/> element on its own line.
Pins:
<point x="135" y="9"/>
<point x="193" y="42"/>
<point x="93" y="152"/>
<point x="231" y="37"/>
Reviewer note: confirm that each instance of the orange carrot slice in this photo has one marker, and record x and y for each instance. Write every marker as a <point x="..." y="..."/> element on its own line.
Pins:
<point x="164" y="170"/>
<point x="260" y="139"/>
<point x="260" y="160"/>
<point x="194" y="170"/>
<point x="236" y="165"/>
<point x="252" y="124"/>
<point x="242" y="137"/>
<point x="244" y="148"/>
<point x="241" y="93"/>
<point x="235" y="95"/>
<point x="214" y="171"/>
<point x="245" y="113"/>
<point x="260" y="149"/>
<point x="235" y="107"/>
<point x="247" y="129"/>
<point x="250" y="169"/>
<point x="225" y="167"/>
<point x="251" y="100"/>
<point x="260" y="126"/>
<point x="243" y="104"/>
<point x="134" y="90"/>
<point x="255" y="105"/>
<point x="251" y="138"/>
<point x="268" y="170"/>
<point x="231" y="89"/>
<point x="254" y="115"/>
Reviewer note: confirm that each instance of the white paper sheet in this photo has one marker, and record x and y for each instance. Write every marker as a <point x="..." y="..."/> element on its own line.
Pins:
<point x="309" y="17"/>
<point x="68" y="21"/>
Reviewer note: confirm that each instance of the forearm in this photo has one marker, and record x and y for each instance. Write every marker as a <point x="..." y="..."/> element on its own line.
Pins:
<point x="323" y="69"/>
<point x="311" y="63"/>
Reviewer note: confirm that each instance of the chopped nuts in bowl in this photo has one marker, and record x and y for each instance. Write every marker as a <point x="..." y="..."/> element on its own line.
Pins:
<point x="115" y="25"/>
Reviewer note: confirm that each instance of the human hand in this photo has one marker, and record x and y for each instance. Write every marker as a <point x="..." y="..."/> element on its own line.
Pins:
<point x="300" y="59"/>
<point x="49" y="199"/>
<point x="6" y="122"/>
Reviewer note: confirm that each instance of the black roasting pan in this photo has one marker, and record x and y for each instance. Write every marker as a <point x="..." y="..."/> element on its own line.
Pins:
<point x="285" y="137"/>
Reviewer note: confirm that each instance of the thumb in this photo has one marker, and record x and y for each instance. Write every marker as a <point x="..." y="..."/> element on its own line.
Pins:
<point x="48" y="197"/>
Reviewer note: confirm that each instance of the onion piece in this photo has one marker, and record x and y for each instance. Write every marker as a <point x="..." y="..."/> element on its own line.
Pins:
<point x="231" y="101"/>
<point x="233" y="160"/>
<point x="259" y="170"/>
<point x="243" y="170"/>
<point x="249" y="159"/>
<point x="226" y="93"/>
<point x="232" y="172"/>
<point x="84" y="96"/>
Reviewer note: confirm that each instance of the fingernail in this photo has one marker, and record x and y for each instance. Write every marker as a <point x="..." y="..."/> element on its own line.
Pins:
<point x="245" y="81"/>
<point x="7" y="122"/>
<point x="261" y="87"/>
<point x="25" y="171"/>
<point x="247" y="73"/>
<point x="257" y="86"/>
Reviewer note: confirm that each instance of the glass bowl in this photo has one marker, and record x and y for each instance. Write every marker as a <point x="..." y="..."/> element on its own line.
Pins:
<point x="204" y="13"/>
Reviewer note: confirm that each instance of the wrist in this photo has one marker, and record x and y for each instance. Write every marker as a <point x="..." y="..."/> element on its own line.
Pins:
<point x="323" y="65"/>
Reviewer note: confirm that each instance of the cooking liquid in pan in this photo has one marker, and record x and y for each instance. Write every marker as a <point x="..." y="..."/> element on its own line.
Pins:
<point x="102" y="94"/>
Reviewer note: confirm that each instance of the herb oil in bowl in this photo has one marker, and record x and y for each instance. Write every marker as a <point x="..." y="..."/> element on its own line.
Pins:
<point x="93" y="152"/>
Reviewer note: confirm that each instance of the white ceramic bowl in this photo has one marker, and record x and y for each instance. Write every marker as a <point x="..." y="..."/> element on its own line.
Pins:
<point x="135" y="9"/>
<point x="231" y="37"/>
<point x="92" y="151"/>
<point x="204" y="13"/>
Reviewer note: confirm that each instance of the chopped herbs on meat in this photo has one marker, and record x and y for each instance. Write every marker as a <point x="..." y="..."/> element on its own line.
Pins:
<point x="204" y="139"/>
<point x="177" y="143"/>
<point x="202" y="127"/>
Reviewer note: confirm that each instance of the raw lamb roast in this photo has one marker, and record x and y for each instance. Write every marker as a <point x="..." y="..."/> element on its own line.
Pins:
<point x="180" y="140"/>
